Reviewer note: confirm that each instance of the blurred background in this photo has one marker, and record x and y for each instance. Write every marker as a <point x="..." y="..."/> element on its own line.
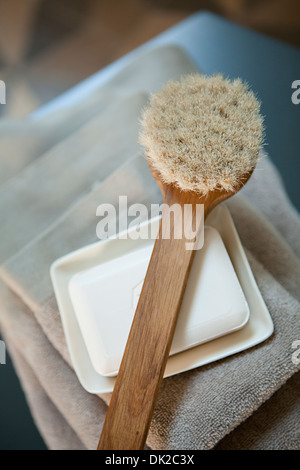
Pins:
<point x="48" y="46"/>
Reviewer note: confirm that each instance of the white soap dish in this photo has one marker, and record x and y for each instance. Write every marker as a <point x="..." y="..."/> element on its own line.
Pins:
<point x="71" y="275"/>
<point x="105" y="296"/>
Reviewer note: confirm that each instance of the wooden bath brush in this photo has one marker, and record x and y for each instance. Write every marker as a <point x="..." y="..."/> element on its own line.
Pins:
<point x="202" y="137"/>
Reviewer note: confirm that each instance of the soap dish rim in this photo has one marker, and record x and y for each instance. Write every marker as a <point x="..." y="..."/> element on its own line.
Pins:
<point x="90" y="333"/>
<point x="258" y="328"/>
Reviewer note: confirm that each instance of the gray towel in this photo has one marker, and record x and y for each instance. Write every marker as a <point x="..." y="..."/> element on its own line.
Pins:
<point x="48" y="209"/>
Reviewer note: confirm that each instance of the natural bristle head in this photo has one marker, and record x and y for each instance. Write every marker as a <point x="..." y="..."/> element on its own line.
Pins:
<point x="203" y="133"/>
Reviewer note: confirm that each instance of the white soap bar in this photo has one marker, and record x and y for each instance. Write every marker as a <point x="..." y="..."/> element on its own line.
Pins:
<point x="104" y="299"/>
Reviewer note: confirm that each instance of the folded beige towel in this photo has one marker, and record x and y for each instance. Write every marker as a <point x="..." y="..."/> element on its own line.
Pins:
<point x="48" y="209"/>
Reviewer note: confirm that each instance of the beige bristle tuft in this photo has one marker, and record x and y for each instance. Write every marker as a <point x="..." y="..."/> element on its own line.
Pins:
<point x="203" y="133"/>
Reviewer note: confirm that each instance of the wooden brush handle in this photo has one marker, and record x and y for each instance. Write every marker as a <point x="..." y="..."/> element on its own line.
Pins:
<point x="130" y="411"/>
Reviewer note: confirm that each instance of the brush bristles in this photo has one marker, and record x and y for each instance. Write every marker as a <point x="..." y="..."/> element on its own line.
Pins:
<point x="203" y="133"/>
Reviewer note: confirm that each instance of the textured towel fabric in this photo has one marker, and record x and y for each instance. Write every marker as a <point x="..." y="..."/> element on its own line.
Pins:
<point x="24" y="140"/>
<point x="48" y="209"/>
